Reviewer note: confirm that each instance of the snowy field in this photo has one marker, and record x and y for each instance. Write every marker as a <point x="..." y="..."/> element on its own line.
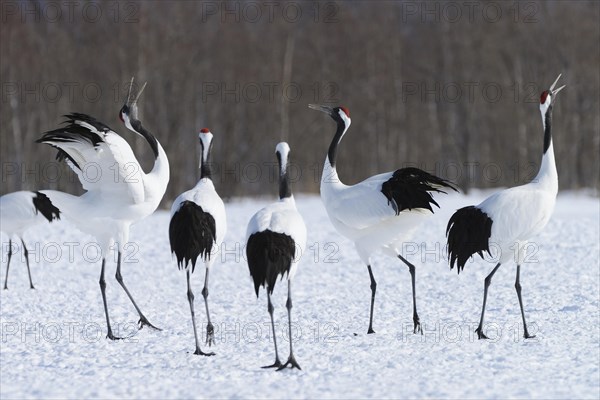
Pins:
<point x="53" y="345"/>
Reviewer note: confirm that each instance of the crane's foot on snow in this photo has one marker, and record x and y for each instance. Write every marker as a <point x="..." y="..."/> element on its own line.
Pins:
<point x="480" y="334"/>
<point x="199" y="352"/>
<point x="144" y="322"/>
<point x="370" y="330"/>
<point x="528" y="336"/>
<point x="113" y="337"/>
<point x="417" y="326"/>
<point x="210" y="334"/>
<point x="276" y="364"/>
<point x="291" y="362"/>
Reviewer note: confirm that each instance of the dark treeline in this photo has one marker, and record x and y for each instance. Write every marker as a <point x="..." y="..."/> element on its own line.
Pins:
<point x="450" y="88"/>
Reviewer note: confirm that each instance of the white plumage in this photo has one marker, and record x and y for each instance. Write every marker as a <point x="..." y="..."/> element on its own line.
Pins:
<point x="205" y="195"/>
<point x="533" y="211"/>
<point x="119" y="193"/>
<point x="362" y="214"/>
<point x="197" y="228"/>
<point x="380" y="212"/>
<point x="20" y="211"/>
<point x="282" y="217"/>
<point x="276" y="239"/>
<point x="503" y="224"/>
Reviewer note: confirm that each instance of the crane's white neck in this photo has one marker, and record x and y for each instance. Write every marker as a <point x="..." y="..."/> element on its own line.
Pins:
<point x="282" y="150"/>
<point x="159" y="176"/>
<point x="547" y="177"/>
<point x="155" y="183"/>
<point x="330" y="181"/>
<point x="206" y="145"/>
<point x="343" y="123"/>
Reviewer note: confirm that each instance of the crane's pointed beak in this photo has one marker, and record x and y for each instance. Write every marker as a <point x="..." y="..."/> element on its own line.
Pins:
<point x="554" y="91"/>
<point x="325" y="109"/>
<point x="555" y="82"/>
<point x="132" y="98"/>
<point x="140" y="93"/>
<point x="128" y="99"/>
<point x="558" y="90"/>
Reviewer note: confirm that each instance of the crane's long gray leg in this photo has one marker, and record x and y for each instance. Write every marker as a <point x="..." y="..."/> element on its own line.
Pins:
<point x="26" y="253"/>
<point x="270" y="308"/>
<point x="190" y="296"/>
<point x="103" y="290"/>
<point x="518" y="288"/>
<point x="373" y="290"/>
<point x="210" y="330"/>
<point x="291" y="359"/>
<point x="487" y="282"/>
<point x="416" y="321"/>
<point x="143" y="320"/>
<point x="8" y="264"/>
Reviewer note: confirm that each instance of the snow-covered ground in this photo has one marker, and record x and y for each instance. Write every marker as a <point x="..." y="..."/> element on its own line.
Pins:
<point x="53" y="338"/>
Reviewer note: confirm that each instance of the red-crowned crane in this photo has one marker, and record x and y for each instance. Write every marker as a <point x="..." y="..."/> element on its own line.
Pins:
<point x="118" y="194"/>
<point x="380" y="212"/>
<point x="20" y="211"/>
<point x="508" y="219"/>
<point x="276" y="238"/>
<point x="197" y="228"/>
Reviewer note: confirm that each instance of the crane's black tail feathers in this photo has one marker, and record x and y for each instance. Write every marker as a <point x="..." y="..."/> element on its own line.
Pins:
<point x="410" y="188"/>
<point x="42" y="204"/>
<point x="74" y="131"/>
<point x="270" y="255"/>
<point x="192" y="234"/>
<point x="468" y="232"/>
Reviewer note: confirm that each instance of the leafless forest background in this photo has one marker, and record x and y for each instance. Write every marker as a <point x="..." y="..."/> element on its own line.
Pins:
<point x="448" y="87"/>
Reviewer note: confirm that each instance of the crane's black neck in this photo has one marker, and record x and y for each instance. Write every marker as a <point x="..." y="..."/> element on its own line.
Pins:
<point x="547" y="128"/>
<point x="136" y="124"/>
<point x="205" y="166"/>
<point x="285" y="188"/>
<point x="332" y="153"/>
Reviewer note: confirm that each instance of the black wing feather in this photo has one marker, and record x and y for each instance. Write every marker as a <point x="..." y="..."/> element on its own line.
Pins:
<point x="192" y="233"/>
<point x="410" y="188"/>
<point x="42" y="204"/>
<point x="74" y="132"/>
<point x="270" y="255"/>
<point x="75" y="116"/>
<point x="468" y="232"/>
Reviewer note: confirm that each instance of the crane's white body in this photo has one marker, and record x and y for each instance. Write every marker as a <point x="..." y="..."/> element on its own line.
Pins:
<point x="197" y="229"/>
<point x="362" y="214"/>
<point x="503" y="223"/>
<point x="281" y="217"/>
<point x="379" y="213"/>
<point x="119" y="193"/>
<point x="20" y="211"/>
<point x="521" y="212"/>
<point x="17" y="213"/>
<point x="205" y="195"/>
<point x="275" y="243"/>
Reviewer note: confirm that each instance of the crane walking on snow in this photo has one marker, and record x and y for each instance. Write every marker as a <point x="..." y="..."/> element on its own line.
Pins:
<point x="379" y="212"/>
<point x="276" y="238"/>
<point x="197" y="228"/>
<point x="119" y="195"/>
<point x="508" y="219"/>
